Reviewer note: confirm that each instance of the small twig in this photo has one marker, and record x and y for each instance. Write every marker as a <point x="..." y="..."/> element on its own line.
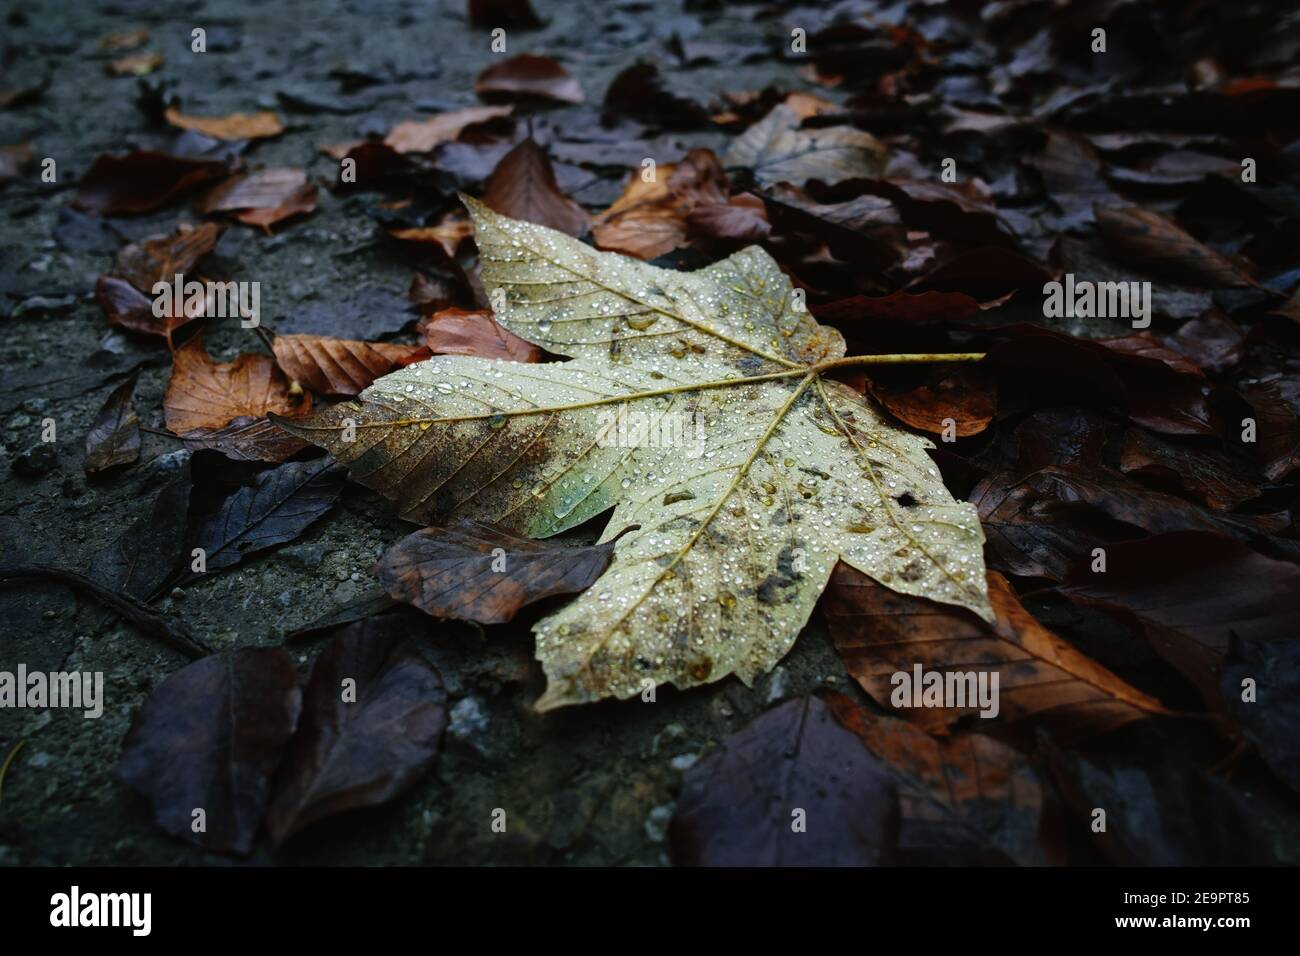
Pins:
<point x="4" y="767"/>
<point x="145" y="618"/>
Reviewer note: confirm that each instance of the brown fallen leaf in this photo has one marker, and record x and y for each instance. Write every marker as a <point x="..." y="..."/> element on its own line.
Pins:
<point x="881" y="634"/>
<point x="114" y="436"/>
<point x="302" y="201"/>
<point x="1276" y="404"/>
<point x="964" y="800"/>
<point x="141" y="181"/>
<point x="448" y="234"/>
<point x="261" y="189"/>
<point x="204" y="394"/>
<point x="955" y="401"/>
<point x="649" y="219"/>
<point x="210" y="736"/>
<point x="161" y="258"/>
<point x="136" y="64"/>
<point x="421" y="136"/>
<point x="1190" y="592"/>
<point x="472" y="571"/>
<point x="466" y="332"/>
<point x="1152" y="239"/>
<point x="127" y="307"/>
<point x="741" y="218"/>
<point x="523" y="186"/>
<point x="529" y="76"/>
<point x="247" y="439"/>
<point x="262" y="125"/>
<point x="372" y="720"/>
<point x="331" y="366"/>
<point x="262" y="198"/>
<point x="1206" y="473"/>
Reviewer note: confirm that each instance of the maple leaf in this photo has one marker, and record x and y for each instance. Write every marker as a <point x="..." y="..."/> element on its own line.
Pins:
<point x="776" y="472"/>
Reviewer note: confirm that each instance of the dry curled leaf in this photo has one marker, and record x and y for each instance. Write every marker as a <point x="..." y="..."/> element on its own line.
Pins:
<point x="528" y="75"/>
<point x="114" y="437"/>
<point x="128" y="307"/>
<point x="766" y="474"/>
<point x="160" y="258"/>
<point x="261" y="125"/>
<point x="205" y="394"/>
<point x="650" y="218"/>
<point x="264" y="197"/>
<point x="421" y="136"/>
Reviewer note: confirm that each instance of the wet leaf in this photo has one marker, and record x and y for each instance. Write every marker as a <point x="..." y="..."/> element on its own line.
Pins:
<point x="203" y="394"/>
<point x="794" y="765"/>
<point x="880" y="634"/>
<point x="774" y="474"/>
<point x="332" y="366"/>
<point x="209" y="738"/>
<point x="278" y="506"/>
<point x="473" y="572"/>
<point x="776" y="150"/>
<point x="373" y="716"/>
<point x="523" y="186"/>
<point x="527" y="76"/>
<point x="114" y="436"/>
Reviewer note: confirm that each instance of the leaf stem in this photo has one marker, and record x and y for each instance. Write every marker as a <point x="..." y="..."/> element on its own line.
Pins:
<point x="899" y="358"/>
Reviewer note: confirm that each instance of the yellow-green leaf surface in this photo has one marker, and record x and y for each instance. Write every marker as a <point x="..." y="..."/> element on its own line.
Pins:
<point x="768" y="475"/>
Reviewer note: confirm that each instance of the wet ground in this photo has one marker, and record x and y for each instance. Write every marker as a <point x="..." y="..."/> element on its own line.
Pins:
<point x="588" y="785"/>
